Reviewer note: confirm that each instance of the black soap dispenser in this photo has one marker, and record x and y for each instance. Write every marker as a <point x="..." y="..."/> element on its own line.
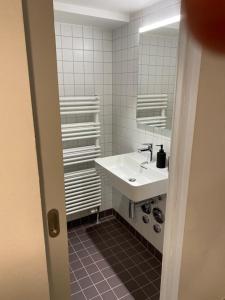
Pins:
<point x="161" y="158"/>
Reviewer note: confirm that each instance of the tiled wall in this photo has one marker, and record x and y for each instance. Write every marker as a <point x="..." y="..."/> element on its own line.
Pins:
<point x="84" y="60"/>
<point x="158" y="66"/>
<point x="126" y="136"/>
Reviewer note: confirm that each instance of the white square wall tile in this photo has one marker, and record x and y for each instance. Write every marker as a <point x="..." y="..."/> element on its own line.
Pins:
<point x="67" y="42"/>
<point x="108" y="78"/>
<point x="107" y="35"/>
<point x="78" y="67"/>
<point x="66" y="29"/>
<point x="79" y="78"/>
<point x="108" y="56"/>
<point x="68" y="78"/>
<point x="69" y="89"/>
<point x="98" y="45"/>
<point x="88" y="55"/>
<point x="88" y="44"/>
<point x="98" y="67"/>
<point x="97" y="33"/>
<point x="67" y="67"/>
<point x="87" y="31"/>
<point x="108" y="68"/>
<point x="78" y="55"/>
<point x="79" y="90"/>
<point x="98" y="56"/>
<point x="89" y="79"/>
<point x="78" y="43"/>
<point x="107" y="45"/>
<point x="67" y="54"/>
<point x="77" y="30"/>
<point x="88" y="67"/>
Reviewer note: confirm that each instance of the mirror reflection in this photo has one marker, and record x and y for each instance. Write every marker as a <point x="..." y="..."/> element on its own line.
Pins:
<point x="157" y="78"/>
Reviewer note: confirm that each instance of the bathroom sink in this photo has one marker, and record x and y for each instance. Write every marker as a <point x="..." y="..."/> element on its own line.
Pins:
<point x="136" y="182"/>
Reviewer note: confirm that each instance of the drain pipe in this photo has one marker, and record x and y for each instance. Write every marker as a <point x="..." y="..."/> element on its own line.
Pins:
<point x="131" y="209"/>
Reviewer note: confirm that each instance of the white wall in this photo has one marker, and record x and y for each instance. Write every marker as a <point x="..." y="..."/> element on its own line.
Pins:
<point x="84" y="60"/>
<point x="126" y="135"/>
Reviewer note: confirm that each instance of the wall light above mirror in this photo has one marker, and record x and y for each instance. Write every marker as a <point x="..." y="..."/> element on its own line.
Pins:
<point x="157" y="75"/>
<point x="162" y="23"/>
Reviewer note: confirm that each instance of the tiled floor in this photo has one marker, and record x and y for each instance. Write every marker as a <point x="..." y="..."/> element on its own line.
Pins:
<point x="107" y="262"/>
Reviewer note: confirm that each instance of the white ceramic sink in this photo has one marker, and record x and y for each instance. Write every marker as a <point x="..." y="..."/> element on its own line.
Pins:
<point x="149" y="181"/>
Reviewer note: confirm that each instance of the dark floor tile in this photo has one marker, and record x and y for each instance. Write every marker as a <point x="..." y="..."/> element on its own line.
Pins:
<point x="139" y="295"/>
<point x="82" y="253"/>
<point x="108" y="296"/>
<point x="102" y="264"/>
<point x="97" y="257"/>
<point x="76" y="265"/>
<point x="91" y="269"/>
<point x="124" y="276"/>
<point x="70" y="249"/>
<point x="81" y="273"/>
<point x="108" y="272"/>
<point x="114" y="281"/>
<point x="131" y="285"/>
<point x="127" y="263"/>
<point x="120" y="291"/>
<point x="73" y="257"/>
<point x="107" y="253"/>
<point x="142" y="280"/>
<point x="155" y="297"/>
<point x="152" y="275"/>
<point x="157" y="283"/>
<point x="150" y="290"/>
<point x="85" y="282"/>
<point x="134" y="271"/>
<point x="102" y="287"/>
<point x="154" y="262"/>
<point x="118" y="268"/>
<point x="92" y="250"/>
<point x="78" y="247"/>
<point x="112" y="260"/>
<point x="78" y="296"/>
<point x="90" y="292"/>
<point x="96" y="277"/>
<point x="74" y="241"/>
<point x="86" y="261"/>
<point x="88" y="244"/>
<point x="128" y="297"/>
<point x="74" y="287"/>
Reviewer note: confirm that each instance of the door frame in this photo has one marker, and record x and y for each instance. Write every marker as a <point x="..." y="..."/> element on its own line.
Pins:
<point x="189" y="63"/>
<point x="182" y="138"/>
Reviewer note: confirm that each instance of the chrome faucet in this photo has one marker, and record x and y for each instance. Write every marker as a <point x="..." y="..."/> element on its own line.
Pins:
<point x="148" y="147"/>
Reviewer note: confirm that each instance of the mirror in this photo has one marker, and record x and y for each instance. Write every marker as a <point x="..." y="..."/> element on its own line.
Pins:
<point x="157" y="74"/>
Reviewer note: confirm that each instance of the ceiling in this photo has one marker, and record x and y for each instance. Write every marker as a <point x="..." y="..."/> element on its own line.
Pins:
<point x="122" y="6"/>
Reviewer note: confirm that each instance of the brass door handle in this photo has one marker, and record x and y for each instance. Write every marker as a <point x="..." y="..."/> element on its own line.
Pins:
<point x="53" y="223"/>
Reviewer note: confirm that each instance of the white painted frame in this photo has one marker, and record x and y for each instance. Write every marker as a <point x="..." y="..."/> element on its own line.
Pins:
<point x="181" y="148"/>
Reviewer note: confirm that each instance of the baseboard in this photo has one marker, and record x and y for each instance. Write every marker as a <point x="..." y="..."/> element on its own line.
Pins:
<point x="90" y="219"/>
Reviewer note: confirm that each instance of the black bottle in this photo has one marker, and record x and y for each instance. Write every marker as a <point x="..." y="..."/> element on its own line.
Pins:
<point x="161" y="158"/>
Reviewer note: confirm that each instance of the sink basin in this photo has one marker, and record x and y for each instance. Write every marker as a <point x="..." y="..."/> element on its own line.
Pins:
<point x="132" y="180"/>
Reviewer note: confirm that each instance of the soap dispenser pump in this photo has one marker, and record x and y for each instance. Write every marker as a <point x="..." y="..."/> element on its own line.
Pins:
<point x="161" y="158"/>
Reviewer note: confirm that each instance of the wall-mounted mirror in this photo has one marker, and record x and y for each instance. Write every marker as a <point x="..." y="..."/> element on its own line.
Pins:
<point x="157" y="78"/>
